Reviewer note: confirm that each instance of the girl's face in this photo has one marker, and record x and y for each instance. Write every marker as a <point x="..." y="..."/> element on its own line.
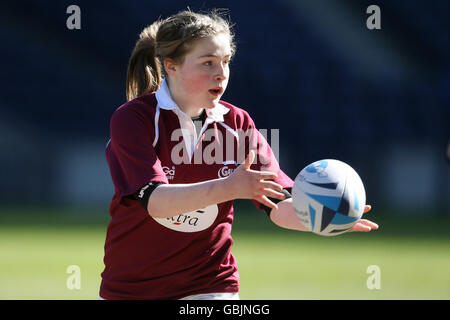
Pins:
<point x="202" y="78"/>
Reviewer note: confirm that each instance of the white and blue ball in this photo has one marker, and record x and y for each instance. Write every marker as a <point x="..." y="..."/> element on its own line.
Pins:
<point x="328" y="197"/>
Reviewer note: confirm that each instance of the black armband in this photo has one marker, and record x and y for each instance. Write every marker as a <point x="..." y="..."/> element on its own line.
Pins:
<point x="269" y="210"/>
<point x="143" y="194"/>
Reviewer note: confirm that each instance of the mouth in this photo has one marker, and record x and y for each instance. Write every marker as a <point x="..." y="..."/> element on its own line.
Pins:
<point x="216" y="91"/>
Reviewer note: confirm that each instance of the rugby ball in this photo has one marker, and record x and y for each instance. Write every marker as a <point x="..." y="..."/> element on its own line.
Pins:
<point x="328" y="197"/>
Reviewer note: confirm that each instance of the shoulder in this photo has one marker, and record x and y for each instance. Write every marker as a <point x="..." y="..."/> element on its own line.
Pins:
<point x="139" y="110"/>
<point x="237" y="117"/>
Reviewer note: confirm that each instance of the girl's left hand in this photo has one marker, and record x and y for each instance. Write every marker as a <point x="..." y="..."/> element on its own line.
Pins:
<point x="364" y="225"/>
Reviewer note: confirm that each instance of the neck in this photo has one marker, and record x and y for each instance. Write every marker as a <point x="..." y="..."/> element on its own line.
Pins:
<point x="191" y="112"/>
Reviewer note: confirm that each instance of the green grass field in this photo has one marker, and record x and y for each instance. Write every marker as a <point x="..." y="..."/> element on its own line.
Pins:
<point x="413" y="257"/>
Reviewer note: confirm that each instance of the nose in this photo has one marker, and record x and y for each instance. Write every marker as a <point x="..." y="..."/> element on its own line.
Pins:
<point x="221" y="73"/>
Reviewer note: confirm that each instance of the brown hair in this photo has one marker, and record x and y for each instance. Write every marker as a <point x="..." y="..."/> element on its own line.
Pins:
<point x="169" y="38"/>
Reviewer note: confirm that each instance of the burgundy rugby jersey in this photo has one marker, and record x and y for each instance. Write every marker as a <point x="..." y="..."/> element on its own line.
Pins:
<point x="152" y="140"/>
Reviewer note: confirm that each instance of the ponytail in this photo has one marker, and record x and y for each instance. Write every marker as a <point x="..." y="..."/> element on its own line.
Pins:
<point x="144" y="68"/>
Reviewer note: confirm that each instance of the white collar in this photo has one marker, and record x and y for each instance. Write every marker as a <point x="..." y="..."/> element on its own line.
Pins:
<point x="166" y="102"/>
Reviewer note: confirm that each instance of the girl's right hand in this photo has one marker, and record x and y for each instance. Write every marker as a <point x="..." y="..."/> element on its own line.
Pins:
<point x="245" y="183"/>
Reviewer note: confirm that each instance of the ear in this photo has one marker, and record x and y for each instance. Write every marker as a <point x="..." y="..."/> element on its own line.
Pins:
<point x="170" y="67"/>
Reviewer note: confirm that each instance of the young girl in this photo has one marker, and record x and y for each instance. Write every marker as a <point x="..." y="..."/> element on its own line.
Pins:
<point x="178" y="157"/>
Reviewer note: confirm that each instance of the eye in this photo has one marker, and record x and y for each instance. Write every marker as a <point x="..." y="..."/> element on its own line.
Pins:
<point x="207" y="63"/>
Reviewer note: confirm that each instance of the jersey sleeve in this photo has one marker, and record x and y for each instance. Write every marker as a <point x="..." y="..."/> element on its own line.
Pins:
<point x="132" y="159"/>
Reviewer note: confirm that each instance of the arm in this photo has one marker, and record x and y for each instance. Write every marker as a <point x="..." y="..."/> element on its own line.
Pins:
<point x="169" y="200"/>
<point x="285" y="217"/>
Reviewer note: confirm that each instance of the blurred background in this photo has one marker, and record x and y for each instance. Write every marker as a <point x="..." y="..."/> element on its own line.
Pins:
<point x="376" y="99"/>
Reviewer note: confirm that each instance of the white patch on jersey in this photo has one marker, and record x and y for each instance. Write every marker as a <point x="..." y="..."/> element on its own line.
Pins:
<point x="193" y="221"/>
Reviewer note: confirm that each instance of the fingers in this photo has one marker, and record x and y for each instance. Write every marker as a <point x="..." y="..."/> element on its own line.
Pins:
<point x="270" y="188"/>
<point x="274" y="194"/>
<point x="359" y="227"/>
<point x="271" y="185"/>
<point x="369" y="224"/>
<point x="268" y="175"/>
<point x="364" y="225"/>
<point x="265" y="201"/>
<point x="265" y="189"/>
<point x="367" y="208"/>
<point x="259" y="185"/>
<point x="249" y="160"/>
<point x="262" y="174"/>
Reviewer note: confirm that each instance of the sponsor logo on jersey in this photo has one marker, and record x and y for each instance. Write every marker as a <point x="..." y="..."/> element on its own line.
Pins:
<point x="194" y="221"/>
<point x="169" y="172"/>
<point x="225" y="171"/>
